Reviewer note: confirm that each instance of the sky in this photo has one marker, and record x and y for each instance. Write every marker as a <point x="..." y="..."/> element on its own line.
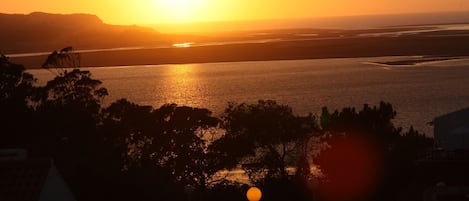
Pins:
<point x="126" y="12"/>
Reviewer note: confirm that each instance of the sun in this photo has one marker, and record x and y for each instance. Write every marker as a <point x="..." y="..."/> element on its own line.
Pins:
<point x="178" y="10"/>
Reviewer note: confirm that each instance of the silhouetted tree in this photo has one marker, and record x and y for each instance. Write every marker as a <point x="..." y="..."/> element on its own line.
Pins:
<point x="69" y="105"/>
<point x="402" y="173"/>
<point x="170" y="139"/>
<point x="66" y="116"/>
<point x="16" y="89"/>
<point x="185" y="143"/>
<point x="66" y="119"/>
<point x="71" y="91"/>
<point x="373" y="123"/>
<point x="264" y="137"/>
<point x="132" y="152"/>
<point x="367" y="156"/>
<point x="60" y="60"/>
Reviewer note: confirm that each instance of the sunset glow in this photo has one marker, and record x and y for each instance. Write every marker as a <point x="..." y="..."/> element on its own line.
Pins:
<point x="178" y="10"/>
<point x="203" y="100"/>
<point x="188" y="11"/>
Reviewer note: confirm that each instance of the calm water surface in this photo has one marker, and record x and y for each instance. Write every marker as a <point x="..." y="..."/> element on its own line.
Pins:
<point x="419" y="93"/>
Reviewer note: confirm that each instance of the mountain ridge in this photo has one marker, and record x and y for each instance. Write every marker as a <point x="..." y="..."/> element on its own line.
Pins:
<point x="40" y="31"/>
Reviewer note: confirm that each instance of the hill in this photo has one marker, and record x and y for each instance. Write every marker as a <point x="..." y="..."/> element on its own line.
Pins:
<point x="135" y="45"/>
<point x="45" y="32"/>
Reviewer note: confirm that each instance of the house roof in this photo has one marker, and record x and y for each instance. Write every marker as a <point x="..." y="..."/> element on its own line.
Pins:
<point x="459" y="115"/>
<point x="451" y="131"/>
<point x="23" y="180"/>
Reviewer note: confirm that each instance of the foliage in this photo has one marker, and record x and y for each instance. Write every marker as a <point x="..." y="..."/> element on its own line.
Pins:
<point x="263" y="136"/>
<point x="138" y="152"/>
<point x="67" y="108"/>
<point x="370" y="122"/>
<point x="366" y="154"/>
<point x="15" y="83"/>
<point x="60" y="60"/>
<point x="69" y="105"/>
<point x="170" y="138"/>
<point x="76" y="89"/>
<point x="16" y="88"/>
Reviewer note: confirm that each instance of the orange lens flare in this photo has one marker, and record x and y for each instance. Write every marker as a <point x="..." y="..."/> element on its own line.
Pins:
<point x="352" y="170"/>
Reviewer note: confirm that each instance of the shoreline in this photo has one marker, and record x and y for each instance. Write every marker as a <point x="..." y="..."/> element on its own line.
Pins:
<point x="454" y="46"/>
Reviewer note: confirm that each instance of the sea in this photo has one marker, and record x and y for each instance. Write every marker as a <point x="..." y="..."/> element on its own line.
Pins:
<point x="419" y="91"/>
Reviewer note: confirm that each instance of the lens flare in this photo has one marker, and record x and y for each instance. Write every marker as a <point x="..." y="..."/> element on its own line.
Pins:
<point x="352" y="170"/>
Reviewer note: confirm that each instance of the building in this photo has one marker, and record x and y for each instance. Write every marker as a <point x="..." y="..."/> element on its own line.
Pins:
<point x="23" y="179"/>
<point x="444" y="176"/>
<point x="451" y="131"/>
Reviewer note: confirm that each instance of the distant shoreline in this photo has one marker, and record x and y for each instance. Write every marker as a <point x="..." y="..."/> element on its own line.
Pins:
<point x="444" y="46"/>
<point x="413" y="62"/>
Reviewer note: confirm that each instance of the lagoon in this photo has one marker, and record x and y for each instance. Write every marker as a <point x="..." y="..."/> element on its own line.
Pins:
<point x="419" y="92"/>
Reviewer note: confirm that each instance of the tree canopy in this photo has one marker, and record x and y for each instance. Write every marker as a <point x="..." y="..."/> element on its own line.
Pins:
<point x="131" y="150"/>
<point x="263" y="136"/>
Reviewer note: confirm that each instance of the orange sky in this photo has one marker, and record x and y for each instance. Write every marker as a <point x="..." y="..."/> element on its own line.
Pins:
<point x="170" y="11"/>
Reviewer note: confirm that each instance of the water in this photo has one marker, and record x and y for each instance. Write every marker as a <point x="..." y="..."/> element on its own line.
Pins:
<point x="419" y="93"/>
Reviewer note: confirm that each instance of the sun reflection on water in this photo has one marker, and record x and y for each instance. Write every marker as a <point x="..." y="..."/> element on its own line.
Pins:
<point x="182" y="85"/>
<point x="187" y="44"/>
<point x="181" y="73"/>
